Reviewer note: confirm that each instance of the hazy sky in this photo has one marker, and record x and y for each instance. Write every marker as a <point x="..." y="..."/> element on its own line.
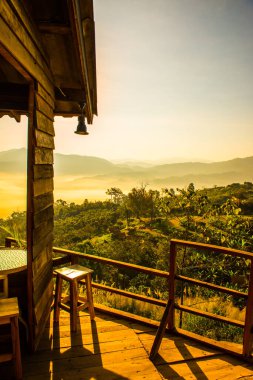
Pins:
<point x="174" y="81"/>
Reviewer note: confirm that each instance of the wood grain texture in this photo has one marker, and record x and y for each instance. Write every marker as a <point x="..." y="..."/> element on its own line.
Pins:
<point x="39" y="328"/>
<point x="43" y="186"/>
<point x="42" y="230"/>
<point x="44" y="107"/>
<point x="248" y="330"/>
<point x="43" y="215"/>
<point x="32" y="32"/>
<point x="214" y="248"/>
<point x="43" y="171"/>
<point x="44" y="139"/>
<point x="46" y="94"/>
<point x="43" y="156"/>
<point x="111" y="348"/>
<point x="14" y="36"/>
<point x="40" y="262"/>
<point x="45" y="241"/>
<point x="43" y="301"/>
<point x="23" y="48"/>
<point x="44" y="123"/>
<point x="119" y="264"/>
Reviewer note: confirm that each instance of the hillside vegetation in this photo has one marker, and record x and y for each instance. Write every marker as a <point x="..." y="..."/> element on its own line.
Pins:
<point x="137" y="228"/>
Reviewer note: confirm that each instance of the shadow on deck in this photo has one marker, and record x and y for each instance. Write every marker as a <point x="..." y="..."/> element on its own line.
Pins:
<point x="113" y="348"/>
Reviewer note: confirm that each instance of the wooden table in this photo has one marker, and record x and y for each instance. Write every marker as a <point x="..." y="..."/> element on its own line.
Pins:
<point x="13" y="265"/>
<point x="13" y="274"/>
<point x="12" y="260"/>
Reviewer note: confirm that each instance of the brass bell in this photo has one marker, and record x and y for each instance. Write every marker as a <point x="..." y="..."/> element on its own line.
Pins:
<point x="81" y="127"/>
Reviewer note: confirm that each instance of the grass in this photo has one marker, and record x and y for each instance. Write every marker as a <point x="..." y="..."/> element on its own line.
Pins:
<point x="128" y="304"/>
<point x="209" y="328"/>
<point x="203" y="326"/>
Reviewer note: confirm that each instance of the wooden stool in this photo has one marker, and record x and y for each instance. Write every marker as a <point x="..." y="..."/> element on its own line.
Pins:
<point x="9" y="313"/>
<point x="73" y="274"/>
<point x="4" y="286"/>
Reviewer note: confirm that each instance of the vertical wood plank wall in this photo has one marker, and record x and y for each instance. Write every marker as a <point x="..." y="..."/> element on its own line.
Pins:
<point x="21" y="46"/>
<point x="42" y="209"/>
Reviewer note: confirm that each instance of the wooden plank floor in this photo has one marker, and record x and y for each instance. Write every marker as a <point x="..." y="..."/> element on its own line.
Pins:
<point x="111" y="348"/>
<point x="180" y="358"/>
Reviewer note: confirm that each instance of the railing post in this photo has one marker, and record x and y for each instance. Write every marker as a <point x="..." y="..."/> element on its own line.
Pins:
<point x="248" y="329"/>
<point x="7" y="242"/>
<point x="168" y="318"/>
<point x="74" y="259"/>
<point x="172" y="271"/>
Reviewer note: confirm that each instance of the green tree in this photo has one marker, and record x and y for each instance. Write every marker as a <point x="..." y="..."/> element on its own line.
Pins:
<point x="116" y="194"/>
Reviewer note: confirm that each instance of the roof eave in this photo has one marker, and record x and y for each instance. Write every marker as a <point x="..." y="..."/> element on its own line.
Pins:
<point x="78" y="26"/>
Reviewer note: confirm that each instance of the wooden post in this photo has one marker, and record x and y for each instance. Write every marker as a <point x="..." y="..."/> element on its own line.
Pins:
<point x="89" y="296"/>
<point x="57" y="300"/>
<point x="7" y="243"/>
<point x="16" y="347"/>
<point x="169" y="312"/>
<point x="29" y="214"/>
<point x="248" y="329"/>
<point x="74" y="260"/>
<point x="73" y="304"/>
<point x="160" y="332"/>
<point x="4" y="280"/>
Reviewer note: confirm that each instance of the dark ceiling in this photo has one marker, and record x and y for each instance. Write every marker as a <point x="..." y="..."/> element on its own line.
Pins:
<point x="67" y="33"/>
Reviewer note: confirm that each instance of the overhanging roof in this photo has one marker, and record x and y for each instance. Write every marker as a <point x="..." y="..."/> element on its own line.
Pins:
<point x="67" y="33"/>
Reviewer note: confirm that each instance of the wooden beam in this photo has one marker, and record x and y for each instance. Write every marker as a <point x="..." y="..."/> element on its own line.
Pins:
<point x="106" y="261"/>
<point x="26" y="20"/>
<point x="29" y="213"/>
<point x="52" y="28"/>
<point x="206" y="314"/>
<point x="76" y="23"/>
<point x="20" y="45"/>
<point x="215" y="287"/>
<point x="124" y="293"/>
<point x="215" y="248"/>
<point x="248" y="330"/>
<point x="14" y="97"/>
<point x="69" y="95"/>
<point x="11" y="113"/>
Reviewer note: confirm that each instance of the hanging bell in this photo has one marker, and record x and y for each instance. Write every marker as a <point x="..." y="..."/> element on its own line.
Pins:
<point x="81" y="127"/>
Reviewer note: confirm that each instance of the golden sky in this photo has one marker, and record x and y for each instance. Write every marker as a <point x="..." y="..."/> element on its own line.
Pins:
<point x="174" y="82"/>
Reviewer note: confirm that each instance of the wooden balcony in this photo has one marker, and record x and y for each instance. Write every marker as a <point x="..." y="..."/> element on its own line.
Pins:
<point x="118" y="345"/>
<point x="114" y="348"/>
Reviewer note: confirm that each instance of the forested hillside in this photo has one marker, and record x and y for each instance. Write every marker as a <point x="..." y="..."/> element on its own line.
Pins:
<point x="149" y="218"/>
<point x="137" y="228"/>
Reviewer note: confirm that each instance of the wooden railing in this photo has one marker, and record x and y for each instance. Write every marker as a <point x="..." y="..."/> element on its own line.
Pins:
<point x="247" y="325"/>
<point x="73" y="256"/>
<point x="172" y="277"/>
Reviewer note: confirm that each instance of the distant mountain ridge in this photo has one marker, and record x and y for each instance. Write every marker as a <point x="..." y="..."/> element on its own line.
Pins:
<point x="174" y="174"/>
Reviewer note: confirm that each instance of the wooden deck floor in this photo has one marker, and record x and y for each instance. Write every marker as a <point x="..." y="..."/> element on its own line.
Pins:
<point x="111" y="348"/>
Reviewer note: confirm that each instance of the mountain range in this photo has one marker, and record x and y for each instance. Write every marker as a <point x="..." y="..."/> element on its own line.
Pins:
<point x="87" y="168"/>
<point x="85" y="177"/>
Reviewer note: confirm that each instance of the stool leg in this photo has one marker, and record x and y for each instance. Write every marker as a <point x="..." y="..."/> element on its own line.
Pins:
<point x="73" y="305"/>
<point x="57" y="299"/>
<point x="90" y="297"/>
<point x="16" y="347"/>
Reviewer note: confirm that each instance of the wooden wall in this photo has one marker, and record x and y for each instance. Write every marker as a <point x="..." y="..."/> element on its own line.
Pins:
<point x="20" y="45"/>
<point x="40" y="204"/>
